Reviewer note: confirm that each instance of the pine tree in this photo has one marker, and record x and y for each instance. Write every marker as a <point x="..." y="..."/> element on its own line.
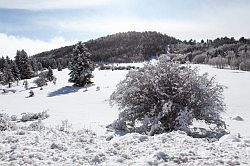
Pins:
<point x="53" y="64"/>
<point x="2" y="78"/>
<point x="59" y="66"/>
<point x="40" y="66"/>
<point x="17" y="58"/>
<point x="34" y="66"/>
<point x="9" y="78"/>
<point x="15" y="71"/>
<point x="81" y="66"/>
<point x="50" y="75"/>
<point x="24" y="65"/>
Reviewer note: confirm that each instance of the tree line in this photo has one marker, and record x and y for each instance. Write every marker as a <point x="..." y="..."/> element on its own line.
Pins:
<point x="22" y="67"/>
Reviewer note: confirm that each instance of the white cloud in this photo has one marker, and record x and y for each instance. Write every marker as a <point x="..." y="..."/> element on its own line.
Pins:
<point x="10" y="44"/>
<point x="49" y="4"/>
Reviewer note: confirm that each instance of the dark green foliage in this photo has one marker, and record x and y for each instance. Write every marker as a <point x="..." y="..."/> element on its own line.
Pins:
<point x="8" y="76"/>
<point x="23" y="62"/>
<point x="50" y="75"/>
<point x="34" y="65"/>
<point x="16" y="72"/>
<point x="120" y="47"/>
<point x="81" y="66"/>
<point x="40" y="66"/>
<point x="59" y="66"/>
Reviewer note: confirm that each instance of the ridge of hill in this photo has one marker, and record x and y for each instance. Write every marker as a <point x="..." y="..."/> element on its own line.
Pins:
<point x="119" y="47"/>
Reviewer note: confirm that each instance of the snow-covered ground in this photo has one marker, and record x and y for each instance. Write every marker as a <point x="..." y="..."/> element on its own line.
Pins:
<point x="89" y="109"/>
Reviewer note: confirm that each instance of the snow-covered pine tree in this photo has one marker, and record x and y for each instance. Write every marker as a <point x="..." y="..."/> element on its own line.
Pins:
<point x="34" y="65"/>
<point x="50" y="75"/>
<point x="15" y="71"/>
<point x="59" y="66"/>
<point x="17" y="59"/>
<point x="24" y="65"/>
<point x="81" y="66"/>
<point x="9" y="78"/>
<point x="2" y="61"/>
<point x="53" y="64"/>
<point x="40" y="66"/>
<point x="2" y="78"/>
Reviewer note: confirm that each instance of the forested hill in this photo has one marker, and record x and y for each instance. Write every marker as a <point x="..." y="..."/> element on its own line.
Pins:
<point x="120" y="47"/>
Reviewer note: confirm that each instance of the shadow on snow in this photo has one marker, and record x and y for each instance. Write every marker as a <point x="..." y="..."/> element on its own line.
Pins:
<point x="65" y="90"/>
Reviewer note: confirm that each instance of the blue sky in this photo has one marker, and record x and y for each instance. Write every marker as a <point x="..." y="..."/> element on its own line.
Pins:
<point x="41" y="25"/>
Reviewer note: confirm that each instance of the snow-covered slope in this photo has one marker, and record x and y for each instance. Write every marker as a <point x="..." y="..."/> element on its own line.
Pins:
<point x="89" y="109"/>
<point x="237" y="97"/>
<point x="84" y="108"/>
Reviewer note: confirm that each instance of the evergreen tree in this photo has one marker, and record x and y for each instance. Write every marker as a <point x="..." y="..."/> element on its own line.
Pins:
<point x="50" y="75"/>
<point x="17" y="58"/>
<point x="2" y="62"/>
<point x="2" y="78"/>
<point x="24" y="65"/>
<point x="53" y="64"/>
<point x="81" y="66"/>
<point x="9" y="78"/>
<point x="15" y="71"/>
<point x="40" y="66"/>
<point x="59" y="66"/>
<point x="34" y="66"/>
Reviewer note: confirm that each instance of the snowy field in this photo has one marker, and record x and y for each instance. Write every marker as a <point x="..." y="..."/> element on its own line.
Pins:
<point x="89" y="109"/>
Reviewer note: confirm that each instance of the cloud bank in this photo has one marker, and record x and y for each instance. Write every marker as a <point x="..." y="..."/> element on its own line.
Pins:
<point x="10" y="44"/>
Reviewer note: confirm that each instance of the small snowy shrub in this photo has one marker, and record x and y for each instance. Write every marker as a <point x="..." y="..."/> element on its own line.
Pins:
<point x="245" y="65"/>
<point x="40" y="81"/>
<point x="5" y="123"/>
<point x="165" y="97"/>
<point x="199" y="59"/>
<point x="34" y="116"/>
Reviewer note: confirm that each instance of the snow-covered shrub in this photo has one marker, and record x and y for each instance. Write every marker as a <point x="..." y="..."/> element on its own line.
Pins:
<point x="40" y="81"/>
<point x="45" y="77"/>
<point x="245" y="65"/>
<point x="199" y="59"/>
<point x="34" y="116"/>
<point x="165" y="97"/>
<point x="235" y="63"/>
<point x="6" y="123"/>
<point x="36" y="126"/>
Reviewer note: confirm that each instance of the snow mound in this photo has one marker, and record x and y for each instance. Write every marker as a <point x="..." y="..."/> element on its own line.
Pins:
<point x="83" y="147"/>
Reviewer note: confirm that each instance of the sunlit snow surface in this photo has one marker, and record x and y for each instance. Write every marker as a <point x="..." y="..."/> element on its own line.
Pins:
<point x="89" y="109"/>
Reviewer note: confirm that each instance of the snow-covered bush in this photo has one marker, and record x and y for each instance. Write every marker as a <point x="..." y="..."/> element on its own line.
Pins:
<point x="40" y="81"/>
<point x="199" y="59"/>
<point x="34" y="116"/>
<point x="165" y="97"/>
<point x="245" y="65"/>
<point x="36" y="126"/>
<point x="45" y="77"/>
<point x="6" y="122"/>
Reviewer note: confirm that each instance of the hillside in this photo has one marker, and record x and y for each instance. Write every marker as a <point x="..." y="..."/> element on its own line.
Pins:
<point x="120" y="47"/>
